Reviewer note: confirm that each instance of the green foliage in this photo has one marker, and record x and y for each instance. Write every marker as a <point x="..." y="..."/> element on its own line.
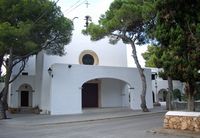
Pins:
<point x="26" y="25"/>
<point x="16" y="37"/>
<point x="150" y="56"/>
<point x="197" y="94"/>
<point x="95" y="31"/>
<point x="124" y="19"/>
<point x="2" y="79"/>
<point x="177" y="31"/>
<point x="177" y="94"/>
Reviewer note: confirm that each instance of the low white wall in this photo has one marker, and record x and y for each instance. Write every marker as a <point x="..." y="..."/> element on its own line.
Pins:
<point x="182" y="120"/>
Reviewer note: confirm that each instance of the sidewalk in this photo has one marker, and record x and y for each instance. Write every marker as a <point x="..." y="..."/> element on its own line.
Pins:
<point x="87" y="115"/>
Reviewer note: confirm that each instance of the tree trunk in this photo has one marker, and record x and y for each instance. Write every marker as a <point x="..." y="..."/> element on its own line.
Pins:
<point x="2" y="111"/>
<point x="4" y="95"/>
<point x="143" y="79"/>
<point x="190" y="102"/>
<point x="1" y="63"/>
<point x="169" y="94"/>
<point x="189" y="89"/>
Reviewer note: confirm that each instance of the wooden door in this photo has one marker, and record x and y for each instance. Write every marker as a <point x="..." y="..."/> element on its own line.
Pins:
<point x="24" y="98"/>
<point x="90" y="95"/>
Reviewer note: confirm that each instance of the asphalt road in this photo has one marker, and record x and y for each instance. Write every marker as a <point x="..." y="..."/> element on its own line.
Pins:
<point x="128" y="127"/>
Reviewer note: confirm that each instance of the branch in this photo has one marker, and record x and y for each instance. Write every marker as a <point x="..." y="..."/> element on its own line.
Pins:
<point x="1" y="94"/>
<point x="19" y="60"/>
<point x="24" y="58"/>
<point x="192" y="34"/>
<point x="46" y="44"/>
<point x="123" y="36"/>
<point x="21" y="69"/>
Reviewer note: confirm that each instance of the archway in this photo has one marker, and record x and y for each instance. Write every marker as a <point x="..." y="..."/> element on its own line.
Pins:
<point x="162" y="95"/>
<point x="104" y="93"/>
<point x="25" y="95"/>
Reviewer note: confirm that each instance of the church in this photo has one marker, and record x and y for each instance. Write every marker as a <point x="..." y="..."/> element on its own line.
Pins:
<point x="89" y="75"/>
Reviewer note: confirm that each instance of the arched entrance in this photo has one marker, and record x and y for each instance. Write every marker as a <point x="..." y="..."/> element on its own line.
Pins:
<point x="105" y="92"/>
<point x="25" y="95"/>
<point x="162" y="95"/>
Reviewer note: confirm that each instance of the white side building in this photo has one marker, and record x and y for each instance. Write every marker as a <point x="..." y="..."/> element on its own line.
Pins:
<point x="160" y="86"/>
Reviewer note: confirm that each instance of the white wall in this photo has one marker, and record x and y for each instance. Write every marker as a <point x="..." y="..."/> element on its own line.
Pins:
<point x="39" y="78"/>
<point x="109" y="55"/>
<point x="66" y="85"/>
<point x="163" y="84"/>
<point x="111" y="93"/>
<point x="125" y="95"/>
<point x="30" y="66"/>
<point x="43" y="83"/>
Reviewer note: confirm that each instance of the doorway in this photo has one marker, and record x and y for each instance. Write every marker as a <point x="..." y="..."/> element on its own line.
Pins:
<point x="90" y="95"/>
<point x="24" y="98"/>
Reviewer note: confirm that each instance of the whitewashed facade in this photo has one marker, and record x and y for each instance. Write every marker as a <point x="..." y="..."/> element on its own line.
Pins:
<point x="56" y="84"/>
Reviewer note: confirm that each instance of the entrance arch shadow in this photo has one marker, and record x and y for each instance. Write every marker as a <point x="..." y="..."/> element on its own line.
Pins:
<point x="162" y="95"/>
<point x="105" y="92"/>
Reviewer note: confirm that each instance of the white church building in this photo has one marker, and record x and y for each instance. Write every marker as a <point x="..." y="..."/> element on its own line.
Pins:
<point x="90" y="75"/>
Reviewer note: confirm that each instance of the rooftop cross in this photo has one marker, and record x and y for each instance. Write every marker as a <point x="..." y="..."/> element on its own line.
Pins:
<point x="87" y="4"/>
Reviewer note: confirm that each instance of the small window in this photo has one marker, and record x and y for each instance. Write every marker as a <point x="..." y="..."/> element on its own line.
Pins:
<point x="153" y="76"/>
<point x="88" y="59"/>
<point x="24" y="73"/>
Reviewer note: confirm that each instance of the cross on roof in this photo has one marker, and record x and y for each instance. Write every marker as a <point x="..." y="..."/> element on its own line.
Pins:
<point x="87" y="4"/>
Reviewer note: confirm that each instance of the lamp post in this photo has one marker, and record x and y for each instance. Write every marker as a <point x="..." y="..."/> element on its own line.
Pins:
<point x="156" y="87"/>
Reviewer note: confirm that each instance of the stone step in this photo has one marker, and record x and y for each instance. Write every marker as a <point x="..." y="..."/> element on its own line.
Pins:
<point x="26" y="110"/>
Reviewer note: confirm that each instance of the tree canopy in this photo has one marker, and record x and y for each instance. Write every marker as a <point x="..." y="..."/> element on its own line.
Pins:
<point x="26" y="28"/>
<point x="178" y="29"/>
<point x="178" y="34"/>
<point x="27" y="25"/>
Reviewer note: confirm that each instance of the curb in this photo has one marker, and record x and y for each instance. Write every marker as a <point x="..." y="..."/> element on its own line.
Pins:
<point x="96" y="119"/>
<point x="174" y="132"/>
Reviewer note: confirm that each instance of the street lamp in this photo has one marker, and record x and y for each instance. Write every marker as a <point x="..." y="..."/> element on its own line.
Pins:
<point x="156" y="87"/>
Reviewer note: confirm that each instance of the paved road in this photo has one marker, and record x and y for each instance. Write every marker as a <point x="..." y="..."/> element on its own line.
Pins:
<point x="127" y="127"/>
